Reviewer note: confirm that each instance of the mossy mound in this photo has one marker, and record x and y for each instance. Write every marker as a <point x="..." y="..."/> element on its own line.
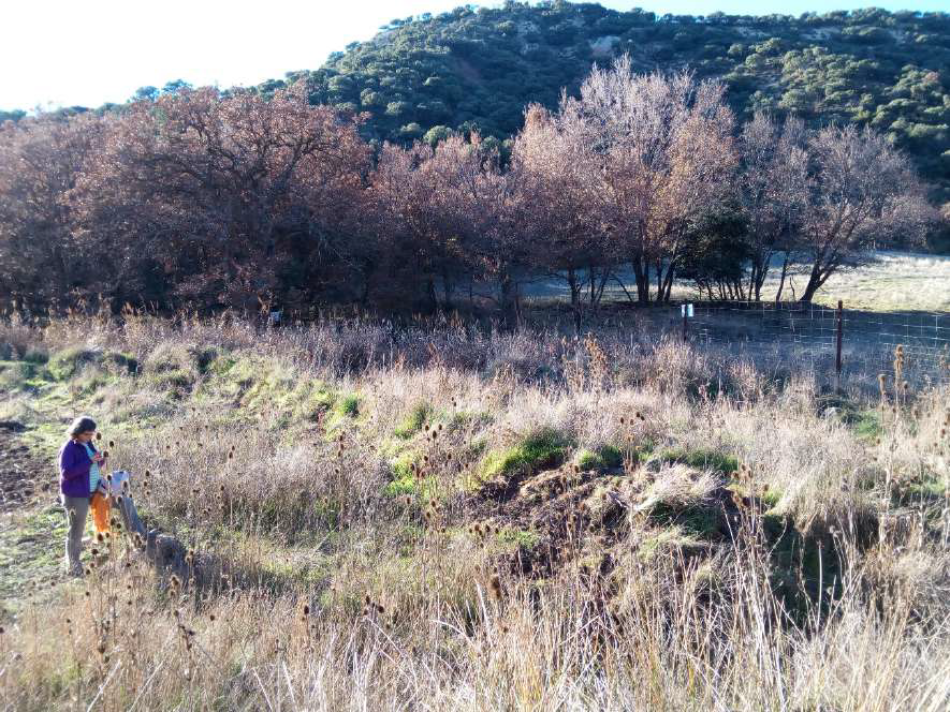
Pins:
<point x="545" y="448"/>
<point x="603" y="458"/>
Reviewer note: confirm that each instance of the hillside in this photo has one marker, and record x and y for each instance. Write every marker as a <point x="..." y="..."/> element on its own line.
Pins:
<point x="348" y="518"/>
<point x="480" y="67"/>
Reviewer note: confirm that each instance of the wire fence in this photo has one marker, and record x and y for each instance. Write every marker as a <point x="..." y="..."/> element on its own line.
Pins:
<point x="867" y="338"/>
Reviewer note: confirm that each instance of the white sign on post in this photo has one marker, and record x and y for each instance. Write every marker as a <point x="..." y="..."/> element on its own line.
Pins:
<point x="686" y="310"/>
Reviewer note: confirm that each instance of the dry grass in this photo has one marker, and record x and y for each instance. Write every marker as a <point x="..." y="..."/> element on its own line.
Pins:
<point x="349" y="556"/>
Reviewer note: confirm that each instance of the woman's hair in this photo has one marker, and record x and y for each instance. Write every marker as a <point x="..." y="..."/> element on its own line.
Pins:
<point x="82" y="424"/>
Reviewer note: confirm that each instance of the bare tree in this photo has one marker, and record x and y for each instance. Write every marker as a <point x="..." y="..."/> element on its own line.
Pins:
<point x="41" y="160"/>
<point x="659" y="153"/>
<point x="863" y="194"/>
<point x="226" y="192"/>
<point x="774" y="187"/>
<point x="417" y="190"/>
<point x="566" y="237"/>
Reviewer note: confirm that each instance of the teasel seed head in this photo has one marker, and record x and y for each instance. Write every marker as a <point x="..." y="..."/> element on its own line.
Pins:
<point x="495" y="584"/>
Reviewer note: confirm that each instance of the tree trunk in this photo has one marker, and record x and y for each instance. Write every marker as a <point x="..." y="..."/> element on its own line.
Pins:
<point x="576" y="306"/>
<point x="668" y="282"/>
<point x="448" y="288"/>
<point x="602" y="286"/>
<point x="815" y="280"/>
<point x="507" y="302"/>
<point x="641" y="271"/>
<point x="781" y="282"/>
<point x="431" y="297"/>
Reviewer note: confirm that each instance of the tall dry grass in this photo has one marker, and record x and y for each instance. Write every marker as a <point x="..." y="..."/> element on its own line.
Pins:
<point x="323" y="588"/>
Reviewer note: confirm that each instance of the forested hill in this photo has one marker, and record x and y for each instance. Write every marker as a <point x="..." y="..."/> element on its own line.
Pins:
<point x="478" y="67"/>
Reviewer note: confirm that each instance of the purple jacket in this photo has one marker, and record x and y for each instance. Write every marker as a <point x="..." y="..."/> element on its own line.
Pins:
<point x="74" y="465"/>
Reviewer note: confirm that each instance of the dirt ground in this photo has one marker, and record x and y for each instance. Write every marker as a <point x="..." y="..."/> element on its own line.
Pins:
<point x="32" y="526"/>
<point x="24" y="478"/>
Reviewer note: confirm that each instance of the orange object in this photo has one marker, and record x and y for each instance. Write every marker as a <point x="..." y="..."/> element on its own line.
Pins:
<point x="100" y="512"/>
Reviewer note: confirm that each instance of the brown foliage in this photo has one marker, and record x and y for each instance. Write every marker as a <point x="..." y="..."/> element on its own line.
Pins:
<point x="210" y="200"/>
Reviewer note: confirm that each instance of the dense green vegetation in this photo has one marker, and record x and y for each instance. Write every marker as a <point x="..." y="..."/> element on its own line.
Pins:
<point x="480" y="67"/>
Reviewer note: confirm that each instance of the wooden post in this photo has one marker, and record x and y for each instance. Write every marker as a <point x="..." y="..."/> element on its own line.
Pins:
<point x="685" y="334"/>
<point x="840" y="329"/>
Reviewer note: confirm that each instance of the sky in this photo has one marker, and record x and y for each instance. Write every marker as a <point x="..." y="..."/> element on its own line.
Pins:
<point x="87" y="52"/>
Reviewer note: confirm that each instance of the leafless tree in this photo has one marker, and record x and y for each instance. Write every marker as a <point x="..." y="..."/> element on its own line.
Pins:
<point x="773" y="190"/>
<point x="224" y="192"/>
<point x="862" y="194"/>
<point x="41" y="160"/>
<point x="567" y="238"/>
<point x="659" y="153"/>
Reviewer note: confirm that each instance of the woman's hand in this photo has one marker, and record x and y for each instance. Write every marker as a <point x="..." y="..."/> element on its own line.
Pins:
<point x="98" y="458"/>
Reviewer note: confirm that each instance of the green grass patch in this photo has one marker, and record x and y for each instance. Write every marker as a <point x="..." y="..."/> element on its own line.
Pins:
<point x="545" y="448"/>
<point x="348" y="406"/>
<point x="256" y="385"/>
<point x="606" y="457"/>
<point x="672" y="538"/>
<point x="345" y="409"/>
<point x="64" y="364"/>
<point x="864" y="422"/>
<point x="36" y="355"/>
<point x="406" y="480"/>
<point x="867" y="425"/>
<point x="702" y="459"/>
<point x="31" y="551"/>
<point x="696" y="521"/>
<point x="414" y="421"/>
<point x="518" y="538"/>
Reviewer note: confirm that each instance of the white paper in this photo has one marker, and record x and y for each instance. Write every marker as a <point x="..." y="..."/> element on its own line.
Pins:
<point x="118" y="477"/>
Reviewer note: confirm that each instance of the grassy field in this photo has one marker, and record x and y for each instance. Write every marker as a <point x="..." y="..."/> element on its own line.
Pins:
<point x="451" y="519"/>
<point x="894" y="281"/>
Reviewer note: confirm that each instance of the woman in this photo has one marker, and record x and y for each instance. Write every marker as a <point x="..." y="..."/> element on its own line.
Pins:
<point x="80" y="475"/>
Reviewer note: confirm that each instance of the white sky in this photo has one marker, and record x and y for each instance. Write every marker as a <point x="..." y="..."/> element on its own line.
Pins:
<point x="86" y="52"/>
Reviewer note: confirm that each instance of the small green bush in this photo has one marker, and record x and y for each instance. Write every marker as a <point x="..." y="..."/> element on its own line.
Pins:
<point x="348" y="406"/>
<point x="65" y="364"/>
<point x="605" y="457"/>
<point x="122" y="363"/>
<point x="36" y="355"/>
<point x="414" y="421"/>
<point x="171" y="367"/>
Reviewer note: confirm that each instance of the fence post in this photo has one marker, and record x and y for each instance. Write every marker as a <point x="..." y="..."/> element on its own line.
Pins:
<point x="840" y="329"/>
<point x="683" y="309"/>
